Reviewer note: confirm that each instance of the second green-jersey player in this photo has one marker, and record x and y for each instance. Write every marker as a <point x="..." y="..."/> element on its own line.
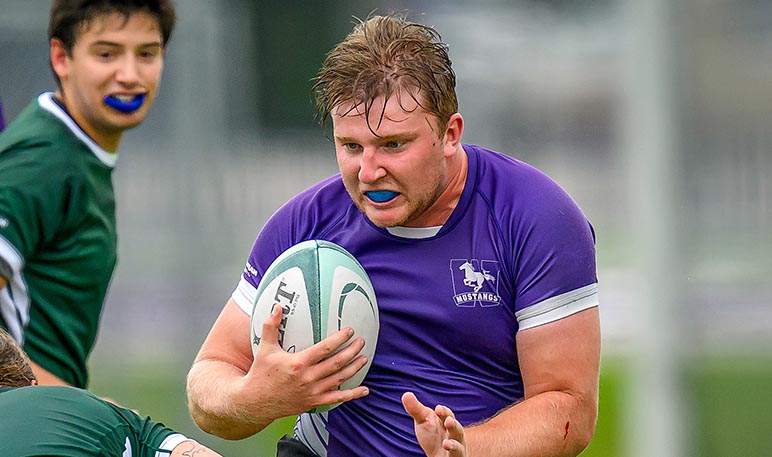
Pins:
<point x="68" y="422"/>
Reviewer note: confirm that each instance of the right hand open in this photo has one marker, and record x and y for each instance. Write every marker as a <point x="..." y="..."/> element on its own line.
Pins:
<point x="292" y="383"/>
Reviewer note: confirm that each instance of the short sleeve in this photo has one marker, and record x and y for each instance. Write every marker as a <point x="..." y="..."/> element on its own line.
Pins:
<point x="555" y="260"/>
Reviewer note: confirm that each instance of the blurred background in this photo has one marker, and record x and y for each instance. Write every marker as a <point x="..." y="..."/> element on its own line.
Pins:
<point x="655" y="115"/>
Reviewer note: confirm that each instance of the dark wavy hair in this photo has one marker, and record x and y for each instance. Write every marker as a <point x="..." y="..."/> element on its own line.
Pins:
<point x="69" y="17"/>
<point x="15" y="369"/>
<point x="380" y="57"/>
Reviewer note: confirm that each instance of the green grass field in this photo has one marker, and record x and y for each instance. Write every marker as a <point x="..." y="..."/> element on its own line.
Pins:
<point x="728" y="401"/>
<point x="729" y="398"/>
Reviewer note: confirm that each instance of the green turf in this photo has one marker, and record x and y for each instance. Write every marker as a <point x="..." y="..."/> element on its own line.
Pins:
<point x="728" y="407"/>
<point x="732" y="406"/>
<point x="729" y="399"/>
<point x="607" y="441"/>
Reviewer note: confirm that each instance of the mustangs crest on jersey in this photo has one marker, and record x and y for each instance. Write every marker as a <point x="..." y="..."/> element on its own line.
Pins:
<point x="475" y="282"/>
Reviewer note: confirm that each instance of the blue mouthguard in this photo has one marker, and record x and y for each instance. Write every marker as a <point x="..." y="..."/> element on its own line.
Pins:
<point x="125" y="107"/>
<point x="381" y="196"/>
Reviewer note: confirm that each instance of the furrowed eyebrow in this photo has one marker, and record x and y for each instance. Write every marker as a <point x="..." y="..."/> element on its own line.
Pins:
<point x="399" y="138"/>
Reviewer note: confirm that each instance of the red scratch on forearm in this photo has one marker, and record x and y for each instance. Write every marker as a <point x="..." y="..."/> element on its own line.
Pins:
<point x="565" y="435"/>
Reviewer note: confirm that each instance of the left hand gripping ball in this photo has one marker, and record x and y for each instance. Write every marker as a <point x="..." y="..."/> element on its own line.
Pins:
<point x="321" y="289"/>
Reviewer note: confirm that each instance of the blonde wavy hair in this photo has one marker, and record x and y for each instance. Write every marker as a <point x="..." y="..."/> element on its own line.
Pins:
<point x="380" y="57"/>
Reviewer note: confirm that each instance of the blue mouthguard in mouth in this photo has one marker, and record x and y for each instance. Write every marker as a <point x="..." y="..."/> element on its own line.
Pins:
<point x="381" y="196"/>
<point x="125" y="107"/>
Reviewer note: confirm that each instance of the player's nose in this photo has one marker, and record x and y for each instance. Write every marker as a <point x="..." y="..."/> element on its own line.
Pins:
<point x="370" y="168"/>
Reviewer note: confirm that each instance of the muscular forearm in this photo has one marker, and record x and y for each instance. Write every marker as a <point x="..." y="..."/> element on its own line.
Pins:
<point x="549" y="424"/>
<point x="215" y="403"/>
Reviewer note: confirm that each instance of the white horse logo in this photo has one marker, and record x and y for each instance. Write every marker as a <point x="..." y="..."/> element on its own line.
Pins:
<point x="474" y="278"/>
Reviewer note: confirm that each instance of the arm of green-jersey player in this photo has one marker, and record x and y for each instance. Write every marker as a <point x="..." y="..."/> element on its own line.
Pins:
<point x="192" y="448"/>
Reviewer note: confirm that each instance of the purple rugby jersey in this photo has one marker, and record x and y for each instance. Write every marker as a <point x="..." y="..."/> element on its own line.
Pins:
<point x="517" y="252"/>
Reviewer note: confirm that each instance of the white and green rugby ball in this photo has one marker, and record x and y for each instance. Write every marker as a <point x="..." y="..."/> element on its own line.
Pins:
<point x="321" y="288"/>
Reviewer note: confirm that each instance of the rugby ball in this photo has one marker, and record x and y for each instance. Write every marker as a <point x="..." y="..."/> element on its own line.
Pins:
<point x="321" y="289"/>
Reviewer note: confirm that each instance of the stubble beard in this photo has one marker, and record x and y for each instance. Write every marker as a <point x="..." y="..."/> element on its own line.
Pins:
<point x="424" y="203"/>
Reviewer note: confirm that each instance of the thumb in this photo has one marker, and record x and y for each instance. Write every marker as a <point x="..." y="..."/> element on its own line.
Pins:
<point x="415" y="408"/>
<point x="270" y="331"/>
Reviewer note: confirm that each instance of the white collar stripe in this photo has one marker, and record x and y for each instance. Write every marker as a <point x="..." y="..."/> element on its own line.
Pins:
<point x="46" y="101"/>
<point x="414" y="232"/>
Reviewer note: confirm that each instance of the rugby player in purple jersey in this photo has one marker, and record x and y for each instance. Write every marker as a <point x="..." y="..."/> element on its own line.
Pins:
<point x="484" y="269"/>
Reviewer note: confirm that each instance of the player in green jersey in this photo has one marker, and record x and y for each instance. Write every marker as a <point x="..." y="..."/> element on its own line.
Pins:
<point x="57" y="207"/>
<point x="70" y="422"/>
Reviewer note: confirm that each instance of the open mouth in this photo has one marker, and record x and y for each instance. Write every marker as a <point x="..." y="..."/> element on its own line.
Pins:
<point x="125" y="103"/>
<point x="381" y="196"/>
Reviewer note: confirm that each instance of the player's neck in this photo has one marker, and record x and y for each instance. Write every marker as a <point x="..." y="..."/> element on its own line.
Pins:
<point x="443" y="207"/>
<point x="107" y="141"/>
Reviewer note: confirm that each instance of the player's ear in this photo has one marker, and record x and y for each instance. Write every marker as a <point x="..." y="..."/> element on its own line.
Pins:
<point x="59" y="58"/>
<point x="453" y="131"/>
